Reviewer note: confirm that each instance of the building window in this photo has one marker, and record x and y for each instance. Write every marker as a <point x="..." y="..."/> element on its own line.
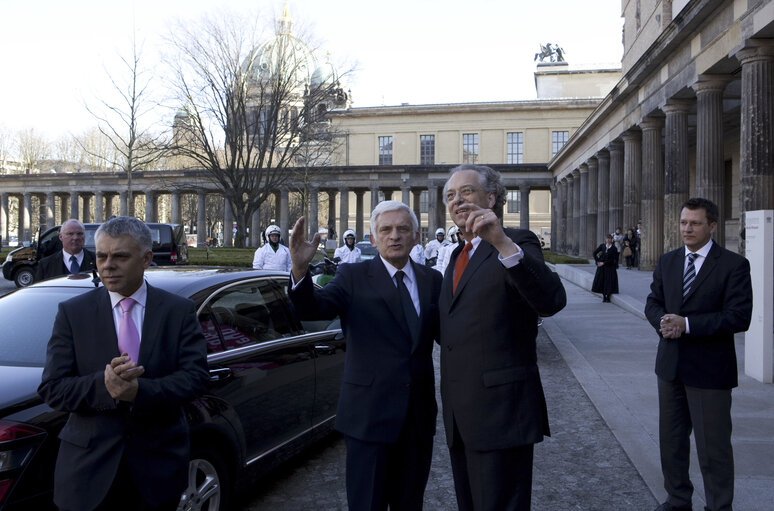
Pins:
<point x="427" y="149"/>
<point x="558" y="139"/>
<point x="385" y="150"/>
<point x="515" y="148"/>
<point x="514" y="201"/>
<point x="470" y="148"/>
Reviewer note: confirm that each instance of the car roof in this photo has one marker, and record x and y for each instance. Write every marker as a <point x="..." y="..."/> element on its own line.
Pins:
<point x="180" y="280"/>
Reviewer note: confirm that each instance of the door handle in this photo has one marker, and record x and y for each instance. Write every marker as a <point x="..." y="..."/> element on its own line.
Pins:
<point x="217" y="375"/>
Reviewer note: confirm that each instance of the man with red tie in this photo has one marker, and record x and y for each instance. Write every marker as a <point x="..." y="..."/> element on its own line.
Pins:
<point x="494" y="291"/>
<point x="122" y="360"/>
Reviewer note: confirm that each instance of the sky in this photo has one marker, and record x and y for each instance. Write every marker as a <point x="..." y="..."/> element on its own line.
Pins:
<point x="56" y="56"/>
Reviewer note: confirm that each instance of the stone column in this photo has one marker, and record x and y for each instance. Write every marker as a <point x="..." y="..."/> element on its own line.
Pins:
<point x="201" y="217"/>
<point x="632" y="178"/>
<point x="554" y="217"/>
<point x="174" y="207"/>
<point x="710" y="161"/>
<point x="415" y="205"/>
<point x="359" y="220"/>
<point x="405" y="195"/>
<point x="26" y="223"/>
<point x="585" y="247"/>
<point x="652" y="202"/>
<point x="676" y="171"/>
<point x="571" y="232"/>
<point x="524" y="213"/>
<point x="756" y="173"/>
<point x="343" y="212"/>
<point x="50" y="207"/>
<point x="99" y="217"/>
<point x="576" y="213"/>
<point x="284" y="215"/>
<point x="591" y="201"/>
<point x="255" y="229"/>
<point x="313" y="222"/>
<point x="432" y="210"/>
<point x="616" y="186"/>
<point x="4" y="218"/>
<point x="228" y="221"/>
<point x="603" y="196"/>
<point x="86" y="216"/>
<point x="561" y="211"/>
<point x="74" y="206"/>
<point x="374" y="198"/>
<point x="123" y="197"/>
<point x="150" y="207"/>
<point x="331" y="210"/>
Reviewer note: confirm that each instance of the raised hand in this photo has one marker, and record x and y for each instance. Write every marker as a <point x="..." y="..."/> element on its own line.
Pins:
<point x="301" y="250"/>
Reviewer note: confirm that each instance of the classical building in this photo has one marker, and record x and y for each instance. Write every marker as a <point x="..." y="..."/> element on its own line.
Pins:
<point x="692" y="115"/>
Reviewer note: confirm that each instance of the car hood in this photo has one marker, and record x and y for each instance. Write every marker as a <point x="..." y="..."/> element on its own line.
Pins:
<point x="20" y="384"/>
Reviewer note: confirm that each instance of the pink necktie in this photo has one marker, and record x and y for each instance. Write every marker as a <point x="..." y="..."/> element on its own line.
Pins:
<point x="128" y="337"/>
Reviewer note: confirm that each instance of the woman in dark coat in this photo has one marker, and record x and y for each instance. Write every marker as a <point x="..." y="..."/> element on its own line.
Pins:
<point x="606" y="278"/>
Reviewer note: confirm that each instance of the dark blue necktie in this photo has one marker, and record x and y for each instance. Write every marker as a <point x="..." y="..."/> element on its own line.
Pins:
<point x="690" y="274"/>
<point x="74" y="267"/>
<point x="407" y="304"/>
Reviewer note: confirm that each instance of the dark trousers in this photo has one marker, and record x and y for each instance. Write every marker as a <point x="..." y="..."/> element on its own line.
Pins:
<point x="394" y="475"/>
<point x="124" y="495"/>
<point x="708" y="413"/>
<point x="499" y="480"/>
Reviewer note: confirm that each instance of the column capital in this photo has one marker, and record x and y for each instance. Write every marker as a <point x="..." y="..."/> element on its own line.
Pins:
<point x="651" y="122"/>
<point x="755" y="50"/>
<point x="631" y="135"/>
<point x="615" y="146"/>
<point x="710" y="83"/>
<point x="569" y="177"/>
<point x="677" y="106"/>
<point x="592" y="163"/>
<point x="576" y="173"/>
<point x="603" y="155"/>
<point x="583" y="168"/>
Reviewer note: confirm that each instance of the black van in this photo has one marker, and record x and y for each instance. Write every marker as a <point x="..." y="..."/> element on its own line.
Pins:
<point x="169" y="248"/>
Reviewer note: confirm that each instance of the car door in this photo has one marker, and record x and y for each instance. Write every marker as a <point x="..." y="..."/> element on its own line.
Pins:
<point x="259" y="365"/>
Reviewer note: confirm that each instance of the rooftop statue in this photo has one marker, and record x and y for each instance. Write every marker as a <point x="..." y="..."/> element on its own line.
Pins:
<point x="554" y="53"/>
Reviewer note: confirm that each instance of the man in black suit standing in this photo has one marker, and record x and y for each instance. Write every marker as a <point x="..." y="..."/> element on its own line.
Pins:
<point x="389" y="314"/>
<point x="73" y="258"/>
<point x="700" y="297"/>
<point x="122" y="360"/>
<point x="494" y="290"/>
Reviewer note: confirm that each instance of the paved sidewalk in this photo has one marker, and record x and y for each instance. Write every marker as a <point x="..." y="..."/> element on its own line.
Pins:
<point x="611" y="350"/>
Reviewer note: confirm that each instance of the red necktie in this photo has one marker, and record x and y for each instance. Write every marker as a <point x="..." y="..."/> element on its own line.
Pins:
<point x="459" y="266"/>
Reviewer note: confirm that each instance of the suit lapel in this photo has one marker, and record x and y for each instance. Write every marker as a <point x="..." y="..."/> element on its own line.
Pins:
<point x="483" y="251"/>
<point x="108" y="347"/>
<point x="709" y="264"/>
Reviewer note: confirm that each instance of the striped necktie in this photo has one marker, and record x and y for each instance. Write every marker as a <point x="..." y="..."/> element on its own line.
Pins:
<point x="690" y="274"/>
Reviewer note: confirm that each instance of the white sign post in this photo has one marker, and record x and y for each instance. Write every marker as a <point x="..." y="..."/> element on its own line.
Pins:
<point x="759" y="339"/>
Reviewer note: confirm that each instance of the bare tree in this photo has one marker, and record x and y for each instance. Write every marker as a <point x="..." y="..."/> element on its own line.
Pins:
<point x="6" y="145"/>
<point x="136" y="146"/>
<point x="32" y="148"/>
<point x="96" y="151"/>
<point x="248" y="107"/>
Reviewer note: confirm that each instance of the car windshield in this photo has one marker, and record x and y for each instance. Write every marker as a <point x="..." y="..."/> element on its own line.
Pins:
<point x="28" y="317"/>
<point x="367" y="249"/>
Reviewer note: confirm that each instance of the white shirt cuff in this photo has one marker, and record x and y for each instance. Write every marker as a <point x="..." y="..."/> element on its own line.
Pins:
<point x="512" y="260"/>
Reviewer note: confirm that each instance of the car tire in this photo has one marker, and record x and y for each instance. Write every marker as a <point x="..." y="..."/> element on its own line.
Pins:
<point x="23" y="277"/>
<point x="209" y="483"/>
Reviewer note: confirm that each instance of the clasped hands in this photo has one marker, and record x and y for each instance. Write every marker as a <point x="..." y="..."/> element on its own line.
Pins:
<point x="121" y="378"/>
<point x="672" y="326"/>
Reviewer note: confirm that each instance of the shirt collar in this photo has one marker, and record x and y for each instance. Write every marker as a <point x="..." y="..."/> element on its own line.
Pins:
<point x="67" y="254"/>
<point x="408" y="269"/>
<point x="703" y="251"/>
<point x="140" y="296"/>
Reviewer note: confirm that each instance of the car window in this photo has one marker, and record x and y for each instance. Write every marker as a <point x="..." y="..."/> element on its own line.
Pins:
<point x="28" y="317"/>
<point x="250" y="313"/>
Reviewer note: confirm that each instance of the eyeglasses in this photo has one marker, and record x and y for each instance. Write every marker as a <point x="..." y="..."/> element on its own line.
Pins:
<point x="464" y="192"/>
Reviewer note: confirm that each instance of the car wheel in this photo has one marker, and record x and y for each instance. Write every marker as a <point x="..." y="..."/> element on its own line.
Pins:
<point x="23" y="277"/>
<point x="209" y="484"/>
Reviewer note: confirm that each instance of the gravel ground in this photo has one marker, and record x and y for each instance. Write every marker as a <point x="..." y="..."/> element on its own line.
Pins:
<point x="581" y="467"/>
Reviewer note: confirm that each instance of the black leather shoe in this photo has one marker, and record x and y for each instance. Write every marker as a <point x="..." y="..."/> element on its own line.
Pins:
<point x="666" y="506"/>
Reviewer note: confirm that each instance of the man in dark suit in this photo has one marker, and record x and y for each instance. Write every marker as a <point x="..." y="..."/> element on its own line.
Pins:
<point x="389" y="315"/>
<point x="700" y="297"/>
<point x="494" y="290"/>
<point x="73" y="258"/>
<point x="122" y="360"/>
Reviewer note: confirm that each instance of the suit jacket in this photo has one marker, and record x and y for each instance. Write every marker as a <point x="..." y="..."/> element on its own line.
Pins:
<point x="53" y="265"/>
<point x="718" y="305"/>
<point x="151" y="432"/>
<point x="384" y="371"/>
<point x="490" y="384"/>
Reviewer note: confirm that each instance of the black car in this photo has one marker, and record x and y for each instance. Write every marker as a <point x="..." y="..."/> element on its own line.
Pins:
<point x="273" y="389"/>
<point x="169" y="248"/>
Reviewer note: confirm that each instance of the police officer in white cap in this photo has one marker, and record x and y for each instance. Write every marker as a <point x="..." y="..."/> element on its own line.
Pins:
<point x="348" y="252"/>
<point x="433" y="247"/>
<point x="272" y="255"/>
